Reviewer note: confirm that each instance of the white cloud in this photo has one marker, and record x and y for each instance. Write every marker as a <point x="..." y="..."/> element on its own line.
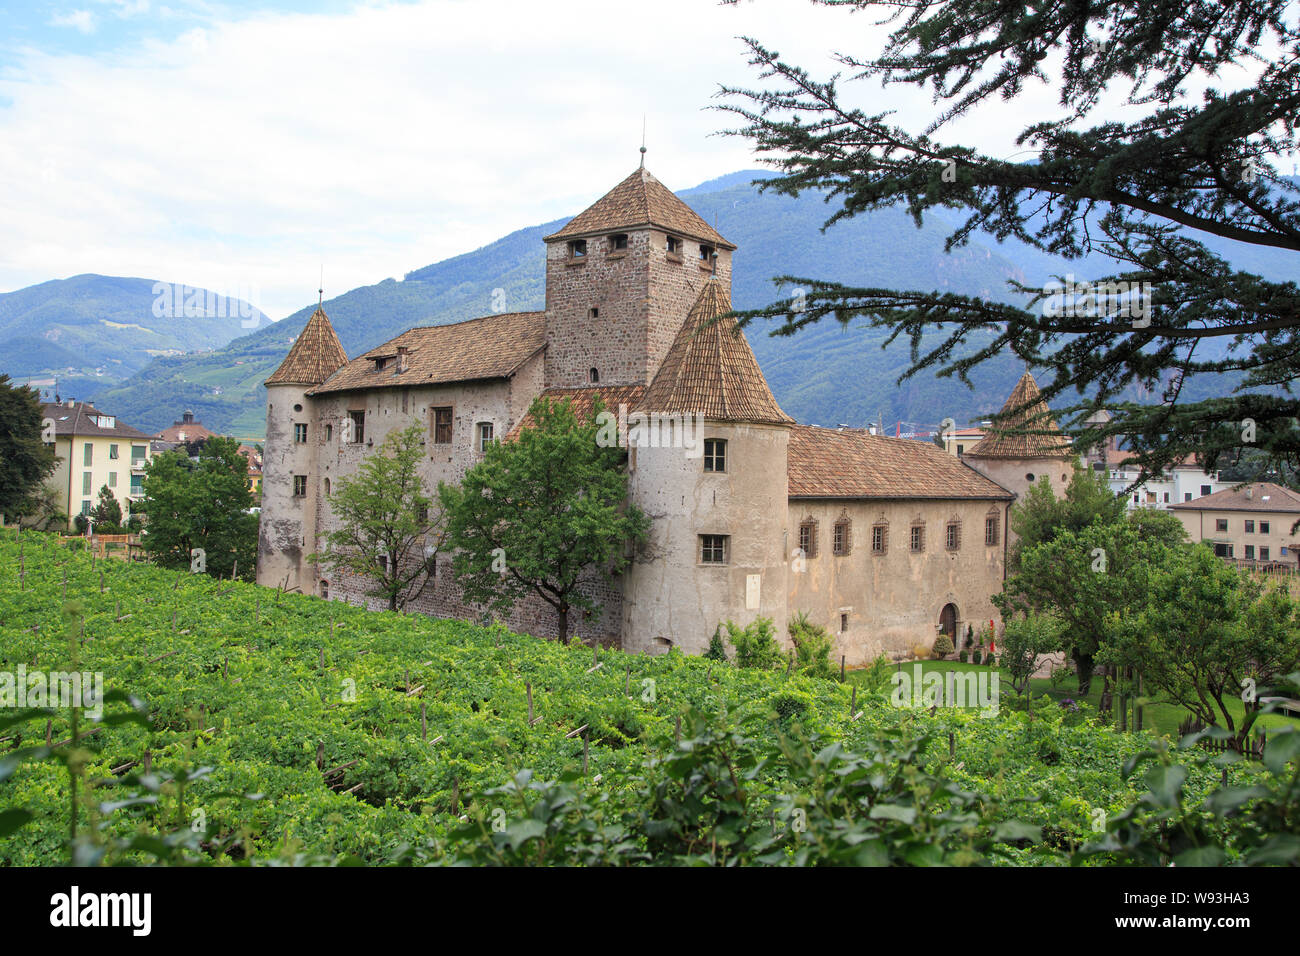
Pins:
<point x="81" y="20"/>
<point x="376" y="141"/>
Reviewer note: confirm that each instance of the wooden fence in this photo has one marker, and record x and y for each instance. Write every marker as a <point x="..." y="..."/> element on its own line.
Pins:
<point x="1252" y="747"/>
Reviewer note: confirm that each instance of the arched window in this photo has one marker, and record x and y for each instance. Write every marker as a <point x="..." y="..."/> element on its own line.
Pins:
<point x="593" y="376"/>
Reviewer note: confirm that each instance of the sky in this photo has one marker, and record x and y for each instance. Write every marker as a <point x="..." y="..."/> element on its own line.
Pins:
<point x="252" y="146"/>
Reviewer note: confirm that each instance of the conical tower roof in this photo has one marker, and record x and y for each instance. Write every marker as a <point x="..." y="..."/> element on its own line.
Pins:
<point x="710" y="370"/>
<point x="640" y="200"/>
<point x="315" y="355"/>
<point x="1027" y="431"/>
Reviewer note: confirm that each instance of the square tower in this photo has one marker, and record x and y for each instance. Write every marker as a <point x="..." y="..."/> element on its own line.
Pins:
<point x="620" y="279"/>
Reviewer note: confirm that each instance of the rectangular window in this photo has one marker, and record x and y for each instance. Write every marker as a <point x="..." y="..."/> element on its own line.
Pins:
<point x="1223" y="550"/>
<point x="808" y="538"/>
<point x="917" y="542"/>
<point x="137" y="484"/>
<point x="578" y="249"/>
<point x="840" y="538"/>
<point x="1205" y="490"/>
<point x="1263" y="554"/>
<point x="300" y="433"/>
<point x="991" y="536"/>
<point x="85" y="482"/>
<point x="715" y="454"/>
<point x="713" y="548"/>
<point x="1263" y="527"/>
<point x="1220" y="525"/>
<point x="442" y="425"/>
<point x="844" y="623"/>
<point x="300" y="486"/>
<point x="706" y="253"/>
<point x="674" y="246"/>
<point x="1166" y="497"/>
<point x="88" y="454"/>
<point x="112" y="479"/>
<point x="138" y="453"/>
<point x="85" y="506"/>
<point x="1250" y="552"/>
<point x="356" y="424"/>
<point x="383" y="564"/>
<point x="112" y="452"/>
<point x="618" y="242"/>
<point x="879" y="539"/>
<point x="1250" y="527"/>
<point x="484" y="435"/>
<point x="953" y="541"/>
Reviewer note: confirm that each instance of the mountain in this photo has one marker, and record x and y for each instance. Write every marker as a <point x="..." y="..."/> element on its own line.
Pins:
<point x="92" y="331"/>
<point x="826" y="374"/>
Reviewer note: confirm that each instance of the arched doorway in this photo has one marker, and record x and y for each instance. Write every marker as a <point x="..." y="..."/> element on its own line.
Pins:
<point x="948" y="622"/>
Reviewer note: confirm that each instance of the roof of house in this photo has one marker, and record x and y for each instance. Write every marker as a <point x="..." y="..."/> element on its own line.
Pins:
<point x="1024" y="428"/>
<point x="583" y="401"/>
<point x="184" y="432"/>
<point x="640" y="200"/>
<point x="710" y="370"/>
<point x="492" y="346"/>
<point x="315" y="355"/>
<point x="853" y="463"/>
<point x="79" y="418"/>
<point x="1256" y="496"/>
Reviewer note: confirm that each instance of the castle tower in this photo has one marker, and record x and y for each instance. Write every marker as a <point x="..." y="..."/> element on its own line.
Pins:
<point x="1024" y="447"/>
<point x="619" y="276"/>
<point x="287" y="534"/>
<point x="711" y="468"/>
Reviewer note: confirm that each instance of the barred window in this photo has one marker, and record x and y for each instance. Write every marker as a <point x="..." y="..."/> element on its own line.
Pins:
<point x="879" y="538"/>
<point x="954" y="536"/>
<point x="841" y="537"/>
<point x="299" y="486"/>
<point x="713" y="548"/>
<point x="808" y="538"/>
<point x="992" y="533"/>
<point x="918" y="538"/>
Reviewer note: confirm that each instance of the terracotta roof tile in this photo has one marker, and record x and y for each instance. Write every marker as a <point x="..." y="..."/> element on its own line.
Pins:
<point x="1023" y="429"/>
<point x="1248" y="497"/>
<point x="492" y="346"/>
<point x="710" y="369"/>
<point x="853" y="463"/>
<point x="315" y="355"/>
<point x="640" y="200"/>
<point x="583" y="400"/>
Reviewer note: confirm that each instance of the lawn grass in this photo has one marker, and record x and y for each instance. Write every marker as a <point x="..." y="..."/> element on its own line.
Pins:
<point x="1161" y="717"/>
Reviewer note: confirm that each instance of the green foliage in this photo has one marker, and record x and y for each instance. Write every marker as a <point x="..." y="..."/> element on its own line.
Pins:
<point x="1040" y="516"/>
<point x="812" y="647"/>
<point x="1209" y="635"/>
<point x="1025" y="641"/>
<point x="107" y="513"/>
<point x="755" y="644"/>
<point x="717" y="648"/>
<point x="25" y="460"/>
<point x="1081" y="184"/>
<point x="385" y="521"/>
<point x="201" y="504"/>
<point x="942" y="645"/>
<point x="542" y="513"/>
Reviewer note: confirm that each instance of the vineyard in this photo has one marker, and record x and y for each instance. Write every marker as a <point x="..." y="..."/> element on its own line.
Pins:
<point x="267" y="726"/>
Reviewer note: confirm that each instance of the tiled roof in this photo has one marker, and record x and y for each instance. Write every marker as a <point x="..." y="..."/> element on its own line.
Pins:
<point x="1255" y="496"/>
<point x="316" y="354"/>
<point x="79" y="420"/>
<point x="192" y="431"/>
<point x="493" y="346"/>
<point x="640" y="200"/>
<point x="710" y="370"/>
<point x="583" y="400"/>
<point x="853" y="463"/>
<point x="1027" y="430"/>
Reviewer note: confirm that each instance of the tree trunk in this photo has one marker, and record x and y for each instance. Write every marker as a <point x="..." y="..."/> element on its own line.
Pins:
<point x="563" y="629"/>
<point x="1083" y="668"/>
<point x="1104" y="705"/>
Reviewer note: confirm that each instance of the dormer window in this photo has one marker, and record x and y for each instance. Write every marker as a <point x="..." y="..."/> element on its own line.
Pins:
<point x="380" y="362"/>
<point x="674" y="246"/>
<point x="618" y="243"/>
<point x="577" y="248"/>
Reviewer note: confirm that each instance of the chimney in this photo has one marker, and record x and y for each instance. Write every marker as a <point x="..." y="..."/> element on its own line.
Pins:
<point x="187" y="418"/>
<point x="1250" y="492"/>
<point x="401" y="359"/>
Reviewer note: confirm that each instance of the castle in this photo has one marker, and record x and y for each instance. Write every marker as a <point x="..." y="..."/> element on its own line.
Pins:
<point x="884" y="541"/>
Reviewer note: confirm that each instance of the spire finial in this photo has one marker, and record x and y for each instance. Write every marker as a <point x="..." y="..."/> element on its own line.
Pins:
<point x="320" y="292"/>
<point x="643" y="141"/>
